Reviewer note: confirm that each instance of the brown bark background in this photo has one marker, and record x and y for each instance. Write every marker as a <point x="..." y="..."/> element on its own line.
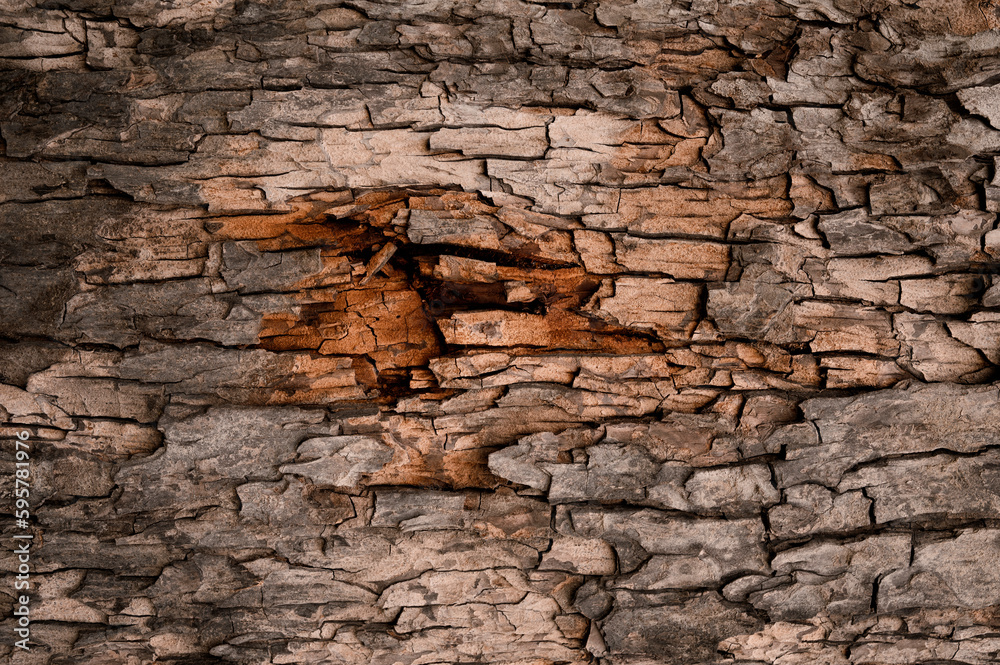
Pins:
<point x="627" y="332"/>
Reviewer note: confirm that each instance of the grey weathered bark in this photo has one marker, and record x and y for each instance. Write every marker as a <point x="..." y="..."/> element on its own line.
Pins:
<point x="627" y="332"/>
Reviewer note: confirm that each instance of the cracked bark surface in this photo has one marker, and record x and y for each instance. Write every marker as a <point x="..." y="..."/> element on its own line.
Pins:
<point x="624" y="332"/>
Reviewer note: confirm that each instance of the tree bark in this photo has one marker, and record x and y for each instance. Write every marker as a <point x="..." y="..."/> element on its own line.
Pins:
<point x="618" y="332"/>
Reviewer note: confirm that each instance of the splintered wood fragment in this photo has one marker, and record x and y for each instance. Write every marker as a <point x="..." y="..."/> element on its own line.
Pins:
<point x="378" y="261"/>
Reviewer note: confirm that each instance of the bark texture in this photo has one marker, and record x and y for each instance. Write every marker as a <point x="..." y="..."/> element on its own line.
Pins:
<point x="632" y="332"/>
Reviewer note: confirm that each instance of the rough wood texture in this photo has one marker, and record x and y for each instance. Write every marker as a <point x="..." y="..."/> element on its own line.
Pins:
<point x="632" y="332"/>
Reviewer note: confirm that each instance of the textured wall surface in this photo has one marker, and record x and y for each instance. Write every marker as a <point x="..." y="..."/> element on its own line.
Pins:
<point x="630" y="332"/>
